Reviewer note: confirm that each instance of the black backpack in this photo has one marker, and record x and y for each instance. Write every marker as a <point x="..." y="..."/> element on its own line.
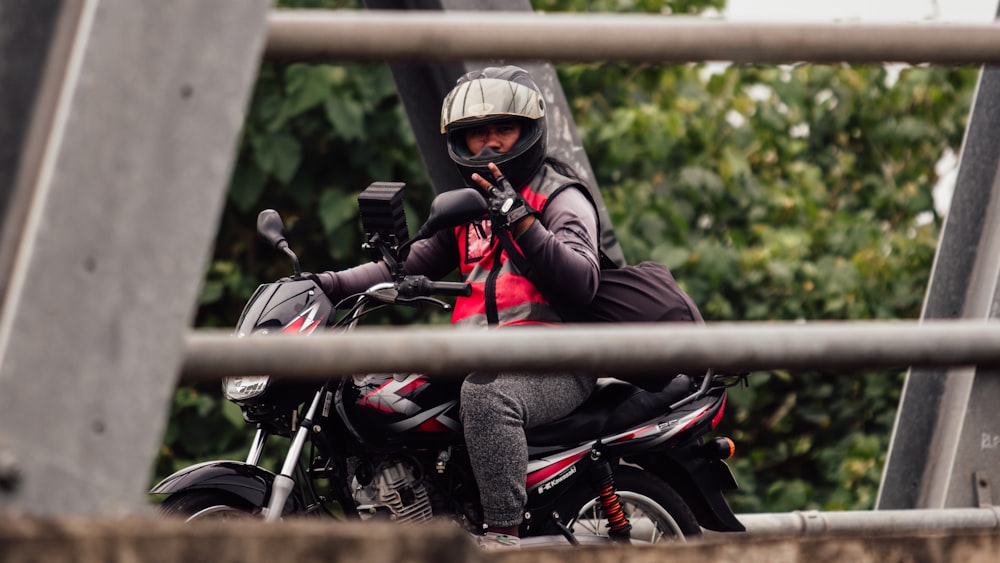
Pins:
<point x="644" y="293"/>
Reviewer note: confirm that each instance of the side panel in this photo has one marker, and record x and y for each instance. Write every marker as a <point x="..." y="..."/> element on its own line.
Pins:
<point x="401" y="410"/>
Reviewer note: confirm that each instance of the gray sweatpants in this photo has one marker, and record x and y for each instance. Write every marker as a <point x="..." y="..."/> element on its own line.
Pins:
<point x="495" y="411"/>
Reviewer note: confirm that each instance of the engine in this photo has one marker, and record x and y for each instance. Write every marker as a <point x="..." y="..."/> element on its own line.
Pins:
<point x="390" y="489"/>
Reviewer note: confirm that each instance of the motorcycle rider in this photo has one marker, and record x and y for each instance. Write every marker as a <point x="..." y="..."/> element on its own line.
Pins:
<point x="494" y="123"/>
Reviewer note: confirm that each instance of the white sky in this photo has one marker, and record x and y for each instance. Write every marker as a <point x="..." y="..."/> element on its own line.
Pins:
<point x="940" y="11"/>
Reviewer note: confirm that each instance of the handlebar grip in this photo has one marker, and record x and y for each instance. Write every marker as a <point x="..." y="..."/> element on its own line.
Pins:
<point x="421" y="286"/>
<point x="455" y="289"/>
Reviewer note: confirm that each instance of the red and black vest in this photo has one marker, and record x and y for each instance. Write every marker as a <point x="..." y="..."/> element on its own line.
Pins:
<point x="502" y="295"/>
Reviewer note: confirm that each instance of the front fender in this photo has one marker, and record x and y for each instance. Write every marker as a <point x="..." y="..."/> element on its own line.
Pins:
<point x="244" y="480"/>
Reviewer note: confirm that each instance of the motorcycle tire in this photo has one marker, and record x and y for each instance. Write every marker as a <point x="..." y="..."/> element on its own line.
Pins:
<point x="207" y="504"/>
<point x="654" y="509"/>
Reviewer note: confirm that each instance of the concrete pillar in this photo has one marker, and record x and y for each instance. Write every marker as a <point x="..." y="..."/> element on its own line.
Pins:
<point x="131" y="148"/>
<point x="945" y="449"/>
<point x="30" y="36"/>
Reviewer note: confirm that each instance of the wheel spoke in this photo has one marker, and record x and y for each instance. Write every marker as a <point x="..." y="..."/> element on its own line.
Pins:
<point x="590" y="519"/>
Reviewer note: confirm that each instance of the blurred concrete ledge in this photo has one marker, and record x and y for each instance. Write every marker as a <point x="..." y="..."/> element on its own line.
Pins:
<point x="148" y="540"/>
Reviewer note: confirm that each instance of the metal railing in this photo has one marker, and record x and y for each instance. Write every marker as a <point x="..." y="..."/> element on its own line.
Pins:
<point x="635" y="349"/>
<point x="812" y="522"/>
<point x="317" y="35"/>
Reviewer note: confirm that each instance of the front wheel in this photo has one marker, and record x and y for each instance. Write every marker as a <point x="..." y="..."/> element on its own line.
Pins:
<point x="655" y="511"/>
<point x="207" y="504"/>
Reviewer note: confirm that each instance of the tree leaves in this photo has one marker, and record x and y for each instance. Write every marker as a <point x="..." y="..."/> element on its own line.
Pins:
<point x="277" y="154"/>
<point x="346" y="116"/>
<point x="307" y="86"/>
<point x="787" y="193"/>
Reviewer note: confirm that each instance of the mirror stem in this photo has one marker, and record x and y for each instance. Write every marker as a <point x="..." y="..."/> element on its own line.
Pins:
<point x="295" y="260"/>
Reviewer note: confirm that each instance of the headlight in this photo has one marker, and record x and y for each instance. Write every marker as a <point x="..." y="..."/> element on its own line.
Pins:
<point x="243" y="387"/>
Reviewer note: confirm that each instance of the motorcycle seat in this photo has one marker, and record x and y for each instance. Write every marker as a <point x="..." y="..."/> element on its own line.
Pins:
<point x="614" y="406"/>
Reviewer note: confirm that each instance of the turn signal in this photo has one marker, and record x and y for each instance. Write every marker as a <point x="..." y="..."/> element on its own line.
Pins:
<point x="719" y="448"/>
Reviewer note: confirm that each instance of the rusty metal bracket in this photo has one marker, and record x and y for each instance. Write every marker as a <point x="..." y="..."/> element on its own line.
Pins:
<point x="982" y="483"/>
<point x="10" y="471"/>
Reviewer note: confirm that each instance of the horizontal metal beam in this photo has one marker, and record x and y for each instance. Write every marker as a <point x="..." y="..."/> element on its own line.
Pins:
<point x="323" y="35"/>
<point x="634" y="349"/>
<point x="812" y="522"/>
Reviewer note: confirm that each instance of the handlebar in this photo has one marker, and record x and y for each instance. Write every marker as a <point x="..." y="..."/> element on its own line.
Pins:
<point x="421" y="286"/>
<point x="411" y="290"/>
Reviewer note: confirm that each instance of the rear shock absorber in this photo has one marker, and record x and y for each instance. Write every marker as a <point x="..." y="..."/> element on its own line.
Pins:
<point x="619" y="528"/>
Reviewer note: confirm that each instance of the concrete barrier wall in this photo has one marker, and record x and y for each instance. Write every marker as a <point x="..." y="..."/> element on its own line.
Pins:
<point x="148" y="540"/>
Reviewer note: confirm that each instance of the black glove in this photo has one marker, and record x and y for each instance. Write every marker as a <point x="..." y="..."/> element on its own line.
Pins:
<point x="506" y="206"/>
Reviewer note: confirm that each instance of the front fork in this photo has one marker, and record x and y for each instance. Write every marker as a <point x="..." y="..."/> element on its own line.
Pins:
<point x="257" y="446"/>
<point x="283" y="482"/>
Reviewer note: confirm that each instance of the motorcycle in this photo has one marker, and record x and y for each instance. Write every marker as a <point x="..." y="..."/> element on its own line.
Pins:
<point x="627" y="465"/>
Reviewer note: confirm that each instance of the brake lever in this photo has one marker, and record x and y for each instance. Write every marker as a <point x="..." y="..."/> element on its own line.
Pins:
<point x="422" y="299"/>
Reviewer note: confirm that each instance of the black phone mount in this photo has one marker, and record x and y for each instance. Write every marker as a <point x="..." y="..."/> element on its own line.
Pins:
<point x="383" y="219"/>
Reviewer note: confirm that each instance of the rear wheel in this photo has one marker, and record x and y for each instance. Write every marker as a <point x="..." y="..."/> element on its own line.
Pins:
<point x="655" y="511"/>
<point x="207" y="505"/>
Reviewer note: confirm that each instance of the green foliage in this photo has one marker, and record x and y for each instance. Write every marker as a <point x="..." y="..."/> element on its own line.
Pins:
<point x="783" y="193"/>
<point x="315" y="136"/>
<point x="773" y="193"/>
<point x="201" y="428"/>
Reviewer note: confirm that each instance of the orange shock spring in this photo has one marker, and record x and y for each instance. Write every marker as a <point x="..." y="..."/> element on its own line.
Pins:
<point x="614" y="512"/>
<point x="618" y="524"/>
